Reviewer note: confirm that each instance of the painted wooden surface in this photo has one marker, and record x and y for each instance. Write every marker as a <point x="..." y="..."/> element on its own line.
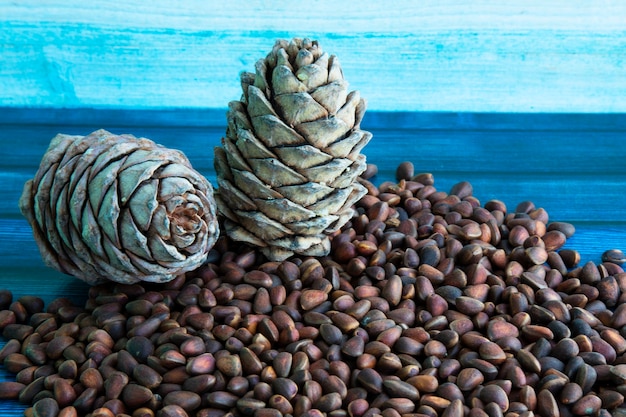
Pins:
<point x="526" y="100"/>
<point x="480" y="56"/>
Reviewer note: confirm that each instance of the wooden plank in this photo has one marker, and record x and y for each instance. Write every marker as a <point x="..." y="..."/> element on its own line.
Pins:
<point x="426" y="56"/>
<point x="577" y="175"/>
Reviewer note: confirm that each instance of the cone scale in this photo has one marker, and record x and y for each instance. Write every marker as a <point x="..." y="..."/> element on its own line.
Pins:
<point x="288" y="166"/>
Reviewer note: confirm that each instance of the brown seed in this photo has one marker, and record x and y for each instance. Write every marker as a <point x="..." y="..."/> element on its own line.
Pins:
<point x="571" y="393"/>
<point x="611" y="399"/>
<point x="335" y="384"/>
<point x="69" y="411"/>
<point x="91" y="378"/>
<point x="553" y="240"/>
<point x="7" y="317"/>
<point x="328" y="402"/>
<point x="587" y="405"/>
<point x="468" y="305"/>
<point x="390" y="336"/>
<point x="172" y="410"/>
<point x="313" y="389"/>
<point x="495" y="394"/>
<point x="354" y="346"/>
<point x="32" y="389"/>
<point x="565" y="349"/>
<point x="436" y="305"/>
<point x="518" y="235"/>
<point x="604" y="348"/>
<point x="281" y="404"/>
<point x="469" y="378"/>
<point x="258" y="279"/>
<point x="229" y="365"/>
<point x="454" y="410"/>
<point x="46" y="407"/>
<point x="221" y="399"/>
<point x="201" y="364"/>
<point x="424" y="383"/>
<point x="248" y="406"/>
<point x="401" y="406"/>
<point x="282" y="364"/>
<point x="437" y="403"/>
<point x="262" y="303"/>
<point x="570" y="257"/>
<point x="491" y="352"/>
<point x="402" y="389"/>
<point x="357" y="407"/>
<point x="140" y="347"/>
<point x="615" y="256"/>
<point x="201" y="321"/>
<point x="392" y="291"/>
<point x="471" y="231"/>
<point x="188" y="401"/>
<point x="536" y="255"/>
<point x="345" y="322"/>
<point x="566" y="228"/>
<point x="331" y="334"/>
<point x="199" y="383"/>
<point x="469" y="254"/>
<point x="192" y="346"/>
<point x="102" y="412"/>
<point x="147" y="376"/>
<point x="285" y="387"/>
<point x="11" y="346"/>
<point x="64" y="393"/>
<point x="370" y="380"/>
<point x="143" y="412"/>
<point x="310" y="298"/>
<point x="10" y="390"/>
<point x="345" y="250"/>
<point x="135" y="395"/>
<point x="15" y="362"/>
<point x="17" y="331"/>
<point x="533" y="332"/>
<point x="405" y="171"/>
<point x="586" y="377"/>
<point x="546" y="404"/>
<point x="250" y="363"/>
<point x="498" y="329"/>
<point x="114" y="385"/>
<point x="85" y="401"/>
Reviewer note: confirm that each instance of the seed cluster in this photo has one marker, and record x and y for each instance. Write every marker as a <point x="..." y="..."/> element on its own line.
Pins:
<point x="430" y="304"/>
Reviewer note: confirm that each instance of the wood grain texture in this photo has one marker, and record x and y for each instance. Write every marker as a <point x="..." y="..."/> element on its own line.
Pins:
<point x="565" y="56"/>
<point x="572" y="165"/>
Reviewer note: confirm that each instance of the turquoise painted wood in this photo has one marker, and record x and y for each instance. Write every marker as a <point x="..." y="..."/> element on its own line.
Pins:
<point x="483" y="56"/>
<point x="526" y="100"/>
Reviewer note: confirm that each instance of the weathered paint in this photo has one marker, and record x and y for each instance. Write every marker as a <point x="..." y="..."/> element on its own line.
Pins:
<point x="483" y="56"/>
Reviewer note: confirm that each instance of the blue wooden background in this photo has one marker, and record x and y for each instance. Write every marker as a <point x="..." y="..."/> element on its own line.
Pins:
<point x="526" y="100"/>
<point x="429" y="55"/>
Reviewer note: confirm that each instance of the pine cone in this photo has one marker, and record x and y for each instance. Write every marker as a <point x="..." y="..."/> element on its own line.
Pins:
<point x="107" y="207"/>
<point x="288" y="166"/>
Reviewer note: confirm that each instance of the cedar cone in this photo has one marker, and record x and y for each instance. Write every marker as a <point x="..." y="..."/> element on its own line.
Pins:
<point x="108" y="207"/>
<point x="289" y="162"/>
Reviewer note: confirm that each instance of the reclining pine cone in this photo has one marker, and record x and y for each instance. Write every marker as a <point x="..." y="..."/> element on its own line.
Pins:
<point x="107" y="207"/>
<point x="288" y="166"/>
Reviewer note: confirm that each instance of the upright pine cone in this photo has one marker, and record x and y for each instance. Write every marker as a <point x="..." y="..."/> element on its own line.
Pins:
<point x="107" y="207"/>
<point x="288" y="166"/>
